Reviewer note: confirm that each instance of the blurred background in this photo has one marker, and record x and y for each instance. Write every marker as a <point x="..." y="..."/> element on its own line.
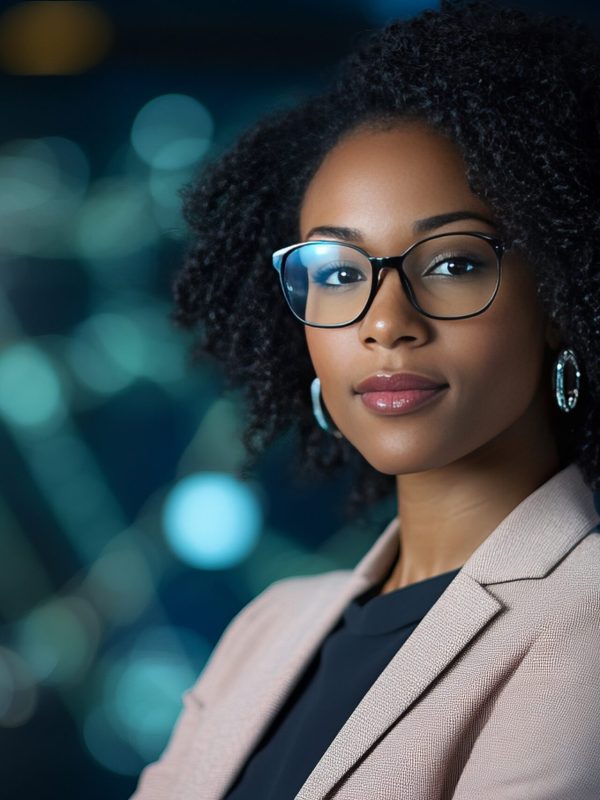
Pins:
<point x="126" y="542"/>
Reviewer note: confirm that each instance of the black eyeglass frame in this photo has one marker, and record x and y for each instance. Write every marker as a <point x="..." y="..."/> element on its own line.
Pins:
<point x="378" y="263"/>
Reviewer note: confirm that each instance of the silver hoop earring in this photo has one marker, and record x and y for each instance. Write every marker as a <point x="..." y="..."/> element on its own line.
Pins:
<point x="565" y="401"/>
<point x="318" y="410"/>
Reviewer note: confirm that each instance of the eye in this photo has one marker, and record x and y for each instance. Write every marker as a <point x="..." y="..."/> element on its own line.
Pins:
<point x="338" y="275"/>
<point x="457" y="266"/>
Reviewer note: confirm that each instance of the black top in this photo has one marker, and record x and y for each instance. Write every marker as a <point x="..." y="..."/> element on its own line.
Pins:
<point x="369" y="633"/>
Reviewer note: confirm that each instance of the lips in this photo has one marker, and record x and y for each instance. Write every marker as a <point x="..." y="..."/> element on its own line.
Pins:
<point x="397" y="382"/>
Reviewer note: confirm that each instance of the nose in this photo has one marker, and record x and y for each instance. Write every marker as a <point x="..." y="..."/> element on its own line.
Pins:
<point x="391" y="315"/>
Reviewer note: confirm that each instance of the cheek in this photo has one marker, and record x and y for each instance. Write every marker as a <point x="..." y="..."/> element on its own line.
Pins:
<point x="326" y="349"/>
<point x="312" y="347"/>
<point x="499" y="361"/>
<point x="335" y="355"/>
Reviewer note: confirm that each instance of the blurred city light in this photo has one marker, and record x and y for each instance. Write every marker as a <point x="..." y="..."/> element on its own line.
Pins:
<point x="120" y="583"/>
<point x="58" y="639"/>
<point x="116" y="219"/>
<point x="172" y="131"/>
<point x="110" y="349"/>
<point x="146" y="699"/>
<point x="43" y="184"/>
<point x="53" y="38"/>
<point x="212" y="520"/>
<point x="75" y="489"/>
<point x="31" y="393"/>
<point x="106" y="351"/>
<point x="140" y="696"/>
<point x="216" y="445"/>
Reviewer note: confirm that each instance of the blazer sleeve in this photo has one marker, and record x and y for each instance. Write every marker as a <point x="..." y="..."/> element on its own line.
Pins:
<point x="542" y="738"/>
<point x="156" y="781"/>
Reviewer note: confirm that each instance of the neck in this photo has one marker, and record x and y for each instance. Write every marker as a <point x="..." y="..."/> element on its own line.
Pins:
<point x="446" y="512"/>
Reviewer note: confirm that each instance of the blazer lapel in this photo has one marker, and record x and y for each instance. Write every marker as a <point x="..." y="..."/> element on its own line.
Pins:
<point x="526" y="544"/>
<point x="458" y="615"/>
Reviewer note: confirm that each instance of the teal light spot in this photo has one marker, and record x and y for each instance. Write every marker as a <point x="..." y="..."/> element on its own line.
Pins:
<point x="43" y="183"/>
<point x="115" y="220"/>
<point x="31" y="394"/>
<point x="141" y="693"/>
<point x="172" y="131"/>
<point x="212" y="520"/>
<point x="59" y="639"/>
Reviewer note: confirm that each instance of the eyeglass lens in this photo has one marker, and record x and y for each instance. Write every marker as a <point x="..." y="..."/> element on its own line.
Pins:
<point x="327" y="283"/>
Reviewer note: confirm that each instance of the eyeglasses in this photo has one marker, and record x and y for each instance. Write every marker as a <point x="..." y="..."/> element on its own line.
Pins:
<point x="329" y="284"/>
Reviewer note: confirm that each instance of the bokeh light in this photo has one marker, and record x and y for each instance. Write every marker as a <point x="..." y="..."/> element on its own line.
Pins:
<point x="115" y="220"/>
<point x="120" y="582"/>
<point x="140" y="696"/>
<point x="172" y="131"/>
<point x="216" y="445"/>
<point x="212" y="520"/>
<point x="58" y="639"/>
<point x="110" y="349"/>
<point x="74" y="488"/>
<point x="146" y="699"/>
<point x="31" y="394"/>
<point x="106" y="351"/>
<point x="53" y="38"/>
<point x="43" y="185"/>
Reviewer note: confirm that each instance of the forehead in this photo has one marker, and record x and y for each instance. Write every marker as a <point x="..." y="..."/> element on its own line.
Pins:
<point x="382" y="179"/>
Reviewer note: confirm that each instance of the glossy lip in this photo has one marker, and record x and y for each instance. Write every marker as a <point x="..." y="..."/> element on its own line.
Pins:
<point x="397" y="382"/>
<point x="396" y="403"/>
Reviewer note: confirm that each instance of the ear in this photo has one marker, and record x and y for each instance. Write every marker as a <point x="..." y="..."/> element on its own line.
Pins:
<point x="554" y="336"/>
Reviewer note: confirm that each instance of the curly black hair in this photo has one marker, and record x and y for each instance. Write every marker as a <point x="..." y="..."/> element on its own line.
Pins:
<point x="519" y="95"/>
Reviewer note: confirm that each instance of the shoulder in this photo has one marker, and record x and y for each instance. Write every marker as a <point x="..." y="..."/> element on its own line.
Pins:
<point x="580" y="575"/>
<point x="288" y="591"/>
<point x="254" y="622"/>
<point x="568" y="638"/>
<point x="574" y="583"/>
<point x="546" y="609"/>
<point x="549" y="707"/>
<point x="586" y="553"/>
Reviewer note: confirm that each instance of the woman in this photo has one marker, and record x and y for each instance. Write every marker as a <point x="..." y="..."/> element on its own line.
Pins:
<point x="433" y="318"/>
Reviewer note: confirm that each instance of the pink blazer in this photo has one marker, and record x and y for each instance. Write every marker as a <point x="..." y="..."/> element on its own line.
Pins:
<point x="494" y="696"/>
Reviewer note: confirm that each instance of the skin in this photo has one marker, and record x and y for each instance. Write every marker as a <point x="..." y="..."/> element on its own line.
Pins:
<point x="464" y="461"/>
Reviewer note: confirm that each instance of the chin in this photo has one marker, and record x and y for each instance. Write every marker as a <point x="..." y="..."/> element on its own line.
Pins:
<point x="394" y="463"/>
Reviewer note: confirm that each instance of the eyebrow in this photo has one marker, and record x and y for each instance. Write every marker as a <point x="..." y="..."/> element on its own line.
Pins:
<point x="420" y="226"/>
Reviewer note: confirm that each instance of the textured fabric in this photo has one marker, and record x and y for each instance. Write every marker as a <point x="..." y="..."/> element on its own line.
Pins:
<point x="371" y="630"/>
<point x="494" y="696"/>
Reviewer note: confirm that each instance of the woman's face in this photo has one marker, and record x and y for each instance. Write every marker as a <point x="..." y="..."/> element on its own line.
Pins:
<point x="382" y="183"/>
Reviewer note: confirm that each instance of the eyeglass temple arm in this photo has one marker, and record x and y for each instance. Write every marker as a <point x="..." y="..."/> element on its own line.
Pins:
<point x="277" y="257"/>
